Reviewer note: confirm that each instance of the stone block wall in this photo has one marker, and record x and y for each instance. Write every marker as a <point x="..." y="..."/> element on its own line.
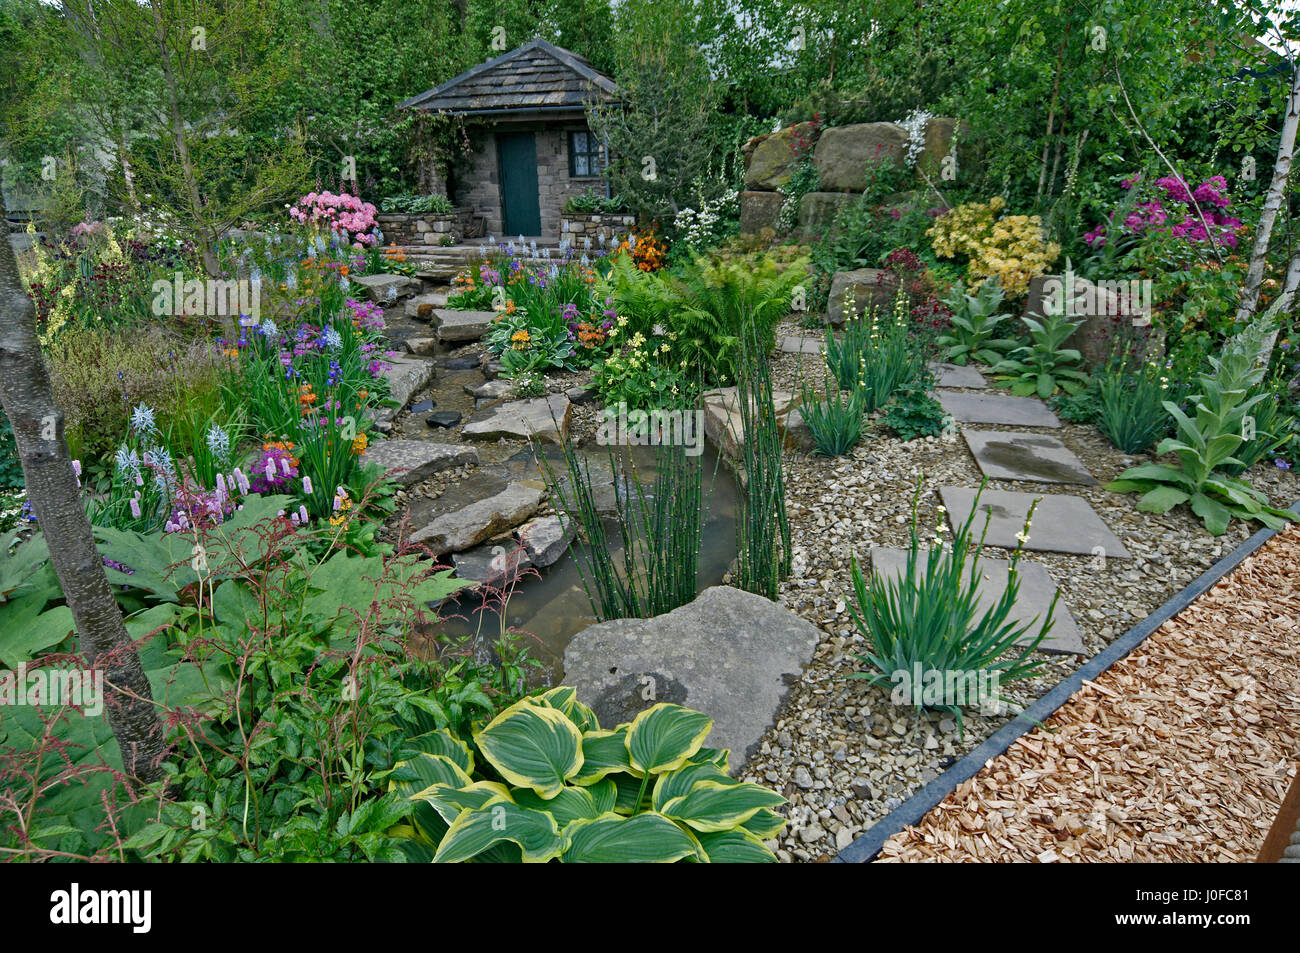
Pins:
<point x="576" y="226"/>
<point x="424" y="228"/>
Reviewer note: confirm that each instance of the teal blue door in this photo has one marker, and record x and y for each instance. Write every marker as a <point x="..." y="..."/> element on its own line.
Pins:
<point x="517" y="156"/>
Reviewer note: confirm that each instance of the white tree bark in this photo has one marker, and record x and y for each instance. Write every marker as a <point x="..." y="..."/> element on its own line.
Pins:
<point x="28" y="401"/>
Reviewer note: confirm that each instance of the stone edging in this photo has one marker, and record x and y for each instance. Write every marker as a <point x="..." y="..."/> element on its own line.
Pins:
<point x="867" y="845"/>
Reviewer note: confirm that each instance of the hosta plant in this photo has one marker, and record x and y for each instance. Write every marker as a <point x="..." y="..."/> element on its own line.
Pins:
<point x="1207" y="443"/>
<point x="1043" y="366"/>
<point x="975" y="320"/>
<point x="543" y="781"/>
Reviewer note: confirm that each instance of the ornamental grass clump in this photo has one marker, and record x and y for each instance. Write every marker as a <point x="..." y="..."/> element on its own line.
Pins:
<point x="1131" y="404"/>
<point x="876" y="357"/>
<point x="835" y="420"/>
<point x="925" y="626"/>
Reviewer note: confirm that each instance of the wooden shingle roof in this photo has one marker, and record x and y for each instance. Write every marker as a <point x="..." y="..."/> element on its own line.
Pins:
<point x="532" y="77"/>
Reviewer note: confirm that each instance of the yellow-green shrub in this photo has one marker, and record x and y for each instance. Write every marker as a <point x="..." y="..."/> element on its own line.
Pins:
<point x="1010" y="248"/>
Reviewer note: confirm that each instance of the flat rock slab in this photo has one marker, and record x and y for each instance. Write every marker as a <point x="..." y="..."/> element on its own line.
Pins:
<point x="954" y="375"/>
<point x="385" y="287"/>
<point x="799" y="344"/>
<point x="545" y="539"/>
<point x="1032" y="602"/>
<point x="421" y="346"/>
<point x="443" y="418"/>
<point x="470" y="525"/>
<point x="724" y="425"/>
<point x="410" y="461"/>
<point x="546" y="418"/>
<point x="730" y="654"/>
<point x="407" y="377"/>
<point x="1032" y="457"/>
<point x="1004" y="409"/>
<point x="452" y="325"/>
<point x="421" y="307"/>
<point x="489" y="390"/>
<point x="1062" y="524"/>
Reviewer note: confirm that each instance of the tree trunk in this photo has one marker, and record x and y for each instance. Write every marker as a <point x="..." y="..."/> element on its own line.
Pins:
<point x="191" y="190"/>
<point x="28" y="400"/>
<point x="1272" y="203"/>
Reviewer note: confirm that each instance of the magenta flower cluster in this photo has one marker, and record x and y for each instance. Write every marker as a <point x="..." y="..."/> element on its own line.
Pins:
<point x="368" y="315"/>
<point x="272" y="471"/>
<point x="344" y="214"/>
<point x="1197" y="215"/>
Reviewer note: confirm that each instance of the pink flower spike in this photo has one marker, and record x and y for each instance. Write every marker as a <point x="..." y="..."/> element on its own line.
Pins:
<point x="306" y="485"/>
<point x="302" y="512"/>
<point x="135" y="508"/>
<point x="270" y="469"/>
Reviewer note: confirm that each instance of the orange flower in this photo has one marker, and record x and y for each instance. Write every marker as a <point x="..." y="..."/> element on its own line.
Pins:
<point x="343" y="270"/>
<point x="359" y="444"/>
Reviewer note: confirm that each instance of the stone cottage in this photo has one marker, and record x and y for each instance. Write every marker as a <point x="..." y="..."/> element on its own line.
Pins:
<point x="532" y="148"/>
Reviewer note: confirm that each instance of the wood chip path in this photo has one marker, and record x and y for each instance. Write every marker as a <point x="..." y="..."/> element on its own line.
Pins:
<point x="1182" y="751"/>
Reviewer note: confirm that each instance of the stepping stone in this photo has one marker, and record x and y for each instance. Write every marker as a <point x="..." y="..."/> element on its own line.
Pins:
<point x="792" y="344"/>
<point x="410" y="461"/>
<point x="581" y="395"/>
<point x="489" y="390"/>
<point x="443" y="418"/>
<point x="493" y="565"/>
<point x="1006" y="455"/>
<point x="423" y="406"/>
<point x="465" y="363"/>
<point x="452" y="325"/>
<point x="382" y="288"/>
<point x="421" y="307"/>
<point x="1062" y="524"/>
<point x="406" y="378"/>
<point x="1034" y="599"/>
<point x="730" y="654"/>
<point x="545" y="539"/>
<point x="421" y="346"/>
<point x="955" y="375"/>
<point x="546" y="418"/>
<point x="470" y="525"/>
<point x="996" y="409"/>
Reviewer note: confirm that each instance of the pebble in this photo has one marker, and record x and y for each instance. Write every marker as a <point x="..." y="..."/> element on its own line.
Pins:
<point x="802" y="778"/>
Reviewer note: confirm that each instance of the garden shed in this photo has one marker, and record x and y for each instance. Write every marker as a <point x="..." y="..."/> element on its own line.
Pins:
<point x="531" y="147"/>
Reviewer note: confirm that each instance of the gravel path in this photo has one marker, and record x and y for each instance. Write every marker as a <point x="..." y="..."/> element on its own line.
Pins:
<point x="841" y="752"/>
<point x="1180" y="752"/>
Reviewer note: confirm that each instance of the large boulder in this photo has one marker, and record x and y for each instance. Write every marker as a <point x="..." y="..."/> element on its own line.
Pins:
<point x="817" y="211"/>
<point x="866" y="286"/>
<point x="772" y="158"/>
<point x="411" y="461"/>
<point x="760" y="210"/>
<point x="730" y="654"/>
<point x="546" y="418"/>
<point x="939" y="133"/>
<point x="459" y="529"/>
<point x="844" y="152"/>
<point x="546" y="538"/>
<point x="724" y="425"/>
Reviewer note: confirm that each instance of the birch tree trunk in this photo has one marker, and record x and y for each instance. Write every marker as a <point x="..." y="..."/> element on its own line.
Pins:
<point x="1272" y="203"/>
<point x="28" y="401"/>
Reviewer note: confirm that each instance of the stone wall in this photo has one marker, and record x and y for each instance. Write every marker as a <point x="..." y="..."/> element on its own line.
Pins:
<point x="477" y="182"/>
<point x="425" y="228"/>
<point x="840" y="155"/>
<point x="576" y="226"/>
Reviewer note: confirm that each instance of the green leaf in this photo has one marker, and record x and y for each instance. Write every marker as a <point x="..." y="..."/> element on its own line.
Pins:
<point x="533" y="745"/>
<point x="603" y="753"/>
<point x="1216" y="515"/>
<point x="734" y="847"/>
<point x="569" y="805"/>
<point x="26" y="633"/>
<point x="611" y="839"/>
<point x="1162" y="499"/>
<point x="664" y="736"/>
<point x="717" y="806"/>
<point x="500" y="819"/>
<point x="765" y="824"/>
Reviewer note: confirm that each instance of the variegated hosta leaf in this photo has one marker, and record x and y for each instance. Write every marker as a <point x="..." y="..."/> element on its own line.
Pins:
<point x="424" y="770"/>
<point x="570" y="805"/>
<point x="565" y="699"/>
<point x="603" y="753"/>
<point x="716" y="806"/>
<point x="765" y="824"/>
<point x="611" y="839"/>
<point x="533" y="745"/>
<point x="476" y="831"/>
<point x="675" y="784"/>
<point x="664" y="736"/>
<point x="734" y="847"/>
<point x="450" y="800"/>
<point x="443" y="743"/>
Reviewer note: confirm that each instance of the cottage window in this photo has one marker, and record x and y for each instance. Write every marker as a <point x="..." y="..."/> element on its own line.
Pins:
<point x="586" y="157"/>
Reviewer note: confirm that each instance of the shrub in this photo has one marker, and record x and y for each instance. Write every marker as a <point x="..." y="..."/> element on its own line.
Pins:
<point x="542" y="781"/>
<point x="1011" y="249"/>
<point x="591" y="202"/>
<point x="417" y="204"/>
<point x="929" y="624"/>
<point x="1267" y="429"/>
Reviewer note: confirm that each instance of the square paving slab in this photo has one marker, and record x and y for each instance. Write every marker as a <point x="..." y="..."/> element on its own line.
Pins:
<point x="1006" y="455"/>
<point x="954" y="375"/>
<point x="800" y="344"/>
<point x="1034" y="599"/>
<point x="1062" y="524"/>
<point x="1002" y="409"/>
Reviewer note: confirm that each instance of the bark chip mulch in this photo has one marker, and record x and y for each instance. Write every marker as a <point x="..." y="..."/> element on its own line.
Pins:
<point x="1182" y="751"/>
